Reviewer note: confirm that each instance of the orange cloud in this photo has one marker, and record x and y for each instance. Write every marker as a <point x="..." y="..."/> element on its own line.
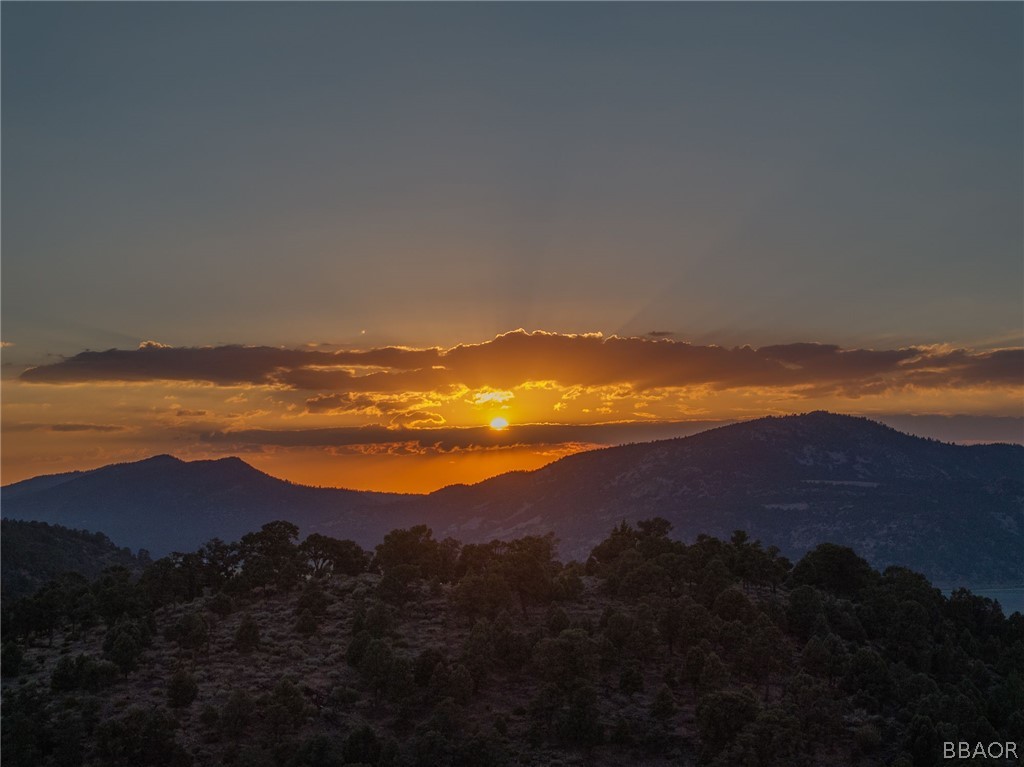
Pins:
<point x="517" y="358"/>
<point x="65" y="427"/>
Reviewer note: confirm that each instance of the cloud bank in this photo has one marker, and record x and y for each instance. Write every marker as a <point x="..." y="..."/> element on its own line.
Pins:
<point x="361" y="417"/>
<point x="518" y="358"/>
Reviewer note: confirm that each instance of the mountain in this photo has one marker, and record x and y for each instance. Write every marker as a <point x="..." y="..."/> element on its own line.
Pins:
<point x="164" y="504"/>
<point x="35" y="552"/>
<point x="953" y="512"/>
<point x="35" y="484"/>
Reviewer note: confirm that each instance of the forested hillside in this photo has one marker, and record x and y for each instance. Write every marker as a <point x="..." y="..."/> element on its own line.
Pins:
<point x="428" y="652"/>
<point x="35" y="552"/>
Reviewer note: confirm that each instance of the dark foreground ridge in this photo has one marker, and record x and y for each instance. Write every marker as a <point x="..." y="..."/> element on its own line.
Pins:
<point x="434" y="653"/>
<point x="953" y="512"/>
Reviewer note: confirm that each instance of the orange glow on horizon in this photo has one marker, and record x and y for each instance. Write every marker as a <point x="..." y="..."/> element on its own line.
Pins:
<point x="396" y="473"/>
<point x="417" y="419"/>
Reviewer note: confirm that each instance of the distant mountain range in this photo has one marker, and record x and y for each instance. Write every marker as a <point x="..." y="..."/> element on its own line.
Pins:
<point x="955" y="513"/>
<point x="164" y="504"/>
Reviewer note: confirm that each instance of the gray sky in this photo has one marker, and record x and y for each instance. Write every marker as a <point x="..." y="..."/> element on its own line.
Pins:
<point x="733" y="173"/>
<point x="674" y="200"/>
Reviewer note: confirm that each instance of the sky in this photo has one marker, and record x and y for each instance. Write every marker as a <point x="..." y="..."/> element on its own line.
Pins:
<point x="339" y="240"/>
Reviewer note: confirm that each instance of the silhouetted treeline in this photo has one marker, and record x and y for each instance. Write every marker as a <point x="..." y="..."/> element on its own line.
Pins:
<point x="272" y="651"/>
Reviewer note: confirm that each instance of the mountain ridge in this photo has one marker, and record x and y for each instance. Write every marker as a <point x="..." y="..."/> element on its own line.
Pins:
<point x="820" y="476"/>
<point x="791" y="480"/>
<point x="163" y="503"/>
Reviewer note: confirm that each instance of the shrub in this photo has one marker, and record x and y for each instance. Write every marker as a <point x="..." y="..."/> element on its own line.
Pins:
<point x="631" y="680"/>
<point x="396" y="585"/>
<point x="867" y="738"/>
<point x="237" y="713"/>
<point x="556" y="620"/>
<point x="313" y="599"/>
<point x="99" y="675"/>
<point x="501" y="726"/>
<point x="461" y="684"/>
<point x="425" y="664"/>
<point x="10" y="659"/>
<point x="65" y="674"/>
<point x="720" y="717"/>
<point x="220" y="604"/>
<point x="142" y="737"/>
<point x="182" y="689"/>
<point x="342" y="697"/>
<point x="307" y="624"/>
<point x="664" y="704"/>
<point x="362" y="746"/>
<point x="357" y="648"/>
<point x="482" y="594"/>
<point x="209" y="717"/>
<point x="193" y="632"/>
<point x="317" y="751"/>
<point x="714" y="674"/>
<point x="123" y="643"/>
<point x="568" y="585"/>
<point x="82" y="673"/>
<point x="247" y="638"/>
<point x="284" y="710"/>
<point x="578" y="723"/>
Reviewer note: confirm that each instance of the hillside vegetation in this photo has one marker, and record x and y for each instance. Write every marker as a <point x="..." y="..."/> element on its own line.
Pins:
<point x="35" y="552"/>
<point x="430" y="652"/>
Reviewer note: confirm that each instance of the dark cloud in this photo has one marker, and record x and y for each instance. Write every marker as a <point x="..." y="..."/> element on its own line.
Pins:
<point x="455" y="438"/>
<point x="404" y="411"/>
<point x="65" y="427"/>
<point x="514" y="358"/>
<point x="958" y="368"/>
<point x="223" y="365"/>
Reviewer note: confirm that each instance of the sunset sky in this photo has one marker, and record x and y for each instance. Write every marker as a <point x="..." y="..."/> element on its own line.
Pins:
<point x="339" y="240"/>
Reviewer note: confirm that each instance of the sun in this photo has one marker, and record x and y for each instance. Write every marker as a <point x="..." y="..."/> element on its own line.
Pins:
<point x="499" y="423"/>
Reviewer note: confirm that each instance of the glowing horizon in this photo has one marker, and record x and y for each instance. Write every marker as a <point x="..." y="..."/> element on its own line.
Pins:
<point x="408" y="419"/>
<point x="664" y="214"/>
